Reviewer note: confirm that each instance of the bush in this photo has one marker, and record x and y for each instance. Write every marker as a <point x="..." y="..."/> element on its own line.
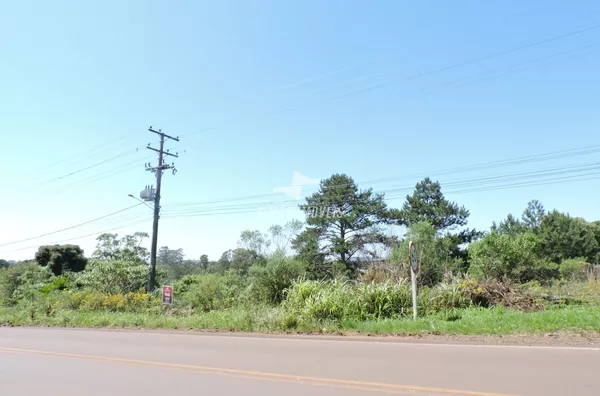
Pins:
<point x="30" y="280"/>
<point x="510" y="256"/>
<point x="269" y="282"/>
<point x="95" y="301"/>
<point x="59" y="283"/>
<point x="118" y="277"/>
<point x="208" y="292"/>
<point x="12" y="278"/>
<point x="436" y="254"/>
<point x="576" y="269"/>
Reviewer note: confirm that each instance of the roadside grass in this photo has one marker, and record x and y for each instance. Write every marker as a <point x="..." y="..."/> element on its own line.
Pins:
<point x="469" y="321"/>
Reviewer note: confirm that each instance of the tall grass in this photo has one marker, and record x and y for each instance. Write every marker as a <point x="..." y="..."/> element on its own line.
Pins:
<point x="338" y="300"/>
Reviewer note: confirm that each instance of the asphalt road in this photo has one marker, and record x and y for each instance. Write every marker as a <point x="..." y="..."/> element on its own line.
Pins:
<point x="94" y="362"/>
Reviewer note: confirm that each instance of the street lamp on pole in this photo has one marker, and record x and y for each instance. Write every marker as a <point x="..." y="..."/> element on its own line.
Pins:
<point x="137" y="199"/>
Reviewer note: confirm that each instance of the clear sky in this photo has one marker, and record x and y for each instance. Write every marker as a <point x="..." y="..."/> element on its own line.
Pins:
<point x="374" y="89"/>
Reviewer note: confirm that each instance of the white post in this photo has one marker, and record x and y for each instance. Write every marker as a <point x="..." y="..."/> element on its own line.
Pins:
<point x="413" y="279"/>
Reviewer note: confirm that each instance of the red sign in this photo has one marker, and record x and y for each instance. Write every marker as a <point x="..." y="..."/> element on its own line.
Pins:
<point x="167" y="295"/>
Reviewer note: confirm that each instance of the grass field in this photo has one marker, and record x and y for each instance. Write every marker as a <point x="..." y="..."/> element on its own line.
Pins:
<point x="472" y="321"/>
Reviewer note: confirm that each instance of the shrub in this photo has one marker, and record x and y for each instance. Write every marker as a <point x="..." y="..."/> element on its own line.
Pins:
<point x="118" y="277"/>
<point x="512" y="256"/>
<point x="269" y="282"/>
<point x="31" y="280"/>
<point x="11" y="278"/>
<point x="59" y="283"/>
<point x="96" y="301"/>
<point x="436" y="254"/>
<point x="576" y="269"/>
<point x="208" y="292"/>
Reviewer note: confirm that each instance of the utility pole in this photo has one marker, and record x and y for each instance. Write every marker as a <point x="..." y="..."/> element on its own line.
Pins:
<point x="158" y="170"/>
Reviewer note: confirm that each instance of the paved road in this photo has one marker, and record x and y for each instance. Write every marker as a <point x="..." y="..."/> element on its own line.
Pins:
<point x="92" y="362"/>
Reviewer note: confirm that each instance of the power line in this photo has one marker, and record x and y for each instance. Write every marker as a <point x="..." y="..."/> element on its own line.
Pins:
<point x="453" y="66"/>
<point x="560" y="154"/>
<point x="508" y="68"/>
<point x="331" y="73"/>
<point x="103" y="175"/>
<point x="574" y="171"/>
<point x="98" y="164"/>
<point x="86" y="153"/>
<point x="426" y="73"/>
<point x="560" y="180"/>
<point x="64" y="176"/>
<point x="71" y="227"/>
<point x="82" y="236"/>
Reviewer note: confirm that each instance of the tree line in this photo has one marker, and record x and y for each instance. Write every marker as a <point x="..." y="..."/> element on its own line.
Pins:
<point x="345" y="234"/>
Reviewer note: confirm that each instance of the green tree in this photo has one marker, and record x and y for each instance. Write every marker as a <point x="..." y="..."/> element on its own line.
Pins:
<point x="427" y="203"/>
<point x="4" y="263"/>
<point x="344" y="218"/>
<point x="435" y="254"/>
<point x="282" y="236"/>
<point x="533" y="215"/>
<point x="564" y="237"/>
<point x="306" y="246"/>
<point x="61" y="258"/>
<point x="118" y="276"/>
<point x="204" y="262"/>
<point x="169" y="257"/>
<point x="16" y="277"/>
<point x="128" y="248"/>
<point x="510" y="225"/>
<point x="512" y="256"/>
<point x="254" y="241"/>
<point x="238" y="260"/>
<point x="269" y="282"/>
<point x="175" y="264"/>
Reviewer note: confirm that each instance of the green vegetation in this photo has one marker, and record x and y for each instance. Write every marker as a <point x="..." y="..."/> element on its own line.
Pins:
<point x="343" y="270"/>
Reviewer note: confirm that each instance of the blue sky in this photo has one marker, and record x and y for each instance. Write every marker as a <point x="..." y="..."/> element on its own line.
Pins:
<point x="314" y="87"/>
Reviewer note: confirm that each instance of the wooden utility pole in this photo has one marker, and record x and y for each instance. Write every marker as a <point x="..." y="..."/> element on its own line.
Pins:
<point x="158" y="170"/>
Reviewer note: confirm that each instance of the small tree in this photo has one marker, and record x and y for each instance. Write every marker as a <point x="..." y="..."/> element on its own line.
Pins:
<point x="269" y="282"/>
<point x="564" y="237"/>
<point x="282" y="236"/>
<point x="344" y="219"/>
<point x="118" y="277"/>
<point x="427" y="203"/>
<point x="128" y="248"/>
<point x="434" y="252"/>
<point x="61" y="258"/>
<point x="510" y="225"/>
<point x="254" y="241"/>
<point x="512" y="256"/>
<point x="533" y="215"/>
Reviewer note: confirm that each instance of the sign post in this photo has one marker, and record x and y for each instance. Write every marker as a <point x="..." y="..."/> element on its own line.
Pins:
<point x="414" y="270"/>
<point x="167" y="295"/>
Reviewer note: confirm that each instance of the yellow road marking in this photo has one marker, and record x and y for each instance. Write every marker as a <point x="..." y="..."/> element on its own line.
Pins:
<point x="330" y="382"/>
